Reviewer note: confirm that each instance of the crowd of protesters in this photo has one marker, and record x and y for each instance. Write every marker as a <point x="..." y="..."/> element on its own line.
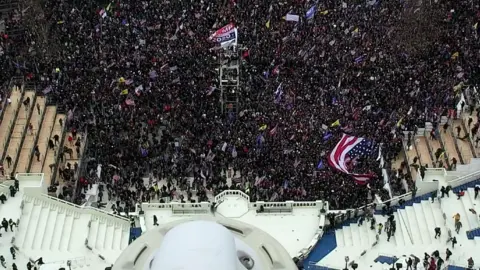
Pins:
<point x="141" y="77"/>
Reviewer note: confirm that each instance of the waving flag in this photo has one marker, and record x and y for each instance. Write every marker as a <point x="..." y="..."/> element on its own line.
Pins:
<point x="311" y="12"/>
<point x="346" y="151"/>
<point x="228" y="33"/>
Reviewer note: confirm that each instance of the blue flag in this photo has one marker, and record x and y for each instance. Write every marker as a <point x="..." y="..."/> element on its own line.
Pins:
<point x="311" y="12"/>
<point x="320" y="165"/>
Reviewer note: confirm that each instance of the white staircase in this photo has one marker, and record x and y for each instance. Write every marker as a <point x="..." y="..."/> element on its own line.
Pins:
<point x="41" y="226"/>
<point x="102" y="229"/>
<point x="49" y="225"/>
<point x="24" y="222"/>
<point x="66" y="231"/>
<point x="451" y="206"/>
<point x="32" y="224"/>
<point x="92" y="234"/>
<point x="117" y="238"/>
<point x="425" y="230"/>
<point x="57" y="234"/>
<point x="475" y="202"/>
<point x="401" y="237"/>
<point x="106" y="235"/>
<point x="125" y="237"/>
<point x="50" y="229"/>
<point x="340" y="238"/>
<point x="408" y="216"/>
<point x="357" y="242"/>
<point x="467" y="204"/>
<point x="347" y="236"/>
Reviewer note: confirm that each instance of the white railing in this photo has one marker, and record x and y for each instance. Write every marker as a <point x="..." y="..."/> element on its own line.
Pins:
<point x="253" y="206"/>
<point x="221" y="195"/>
<point x="465" y="179"/>
<point x="36" y="193"/>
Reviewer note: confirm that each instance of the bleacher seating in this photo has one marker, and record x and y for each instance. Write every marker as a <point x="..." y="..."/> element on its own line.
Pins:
<point x="28" y="145"/>
<point x="51" y="155"/>
<point x="8" y="123"/>
<point x="18" y="141"/>
<point x="452" y="140"/>
<point x="44" y="136"/>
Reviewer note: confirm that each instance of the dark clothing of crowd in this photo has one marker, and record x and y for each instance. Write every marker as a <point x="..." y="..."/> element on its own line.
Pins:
<point x="138" y="81"/>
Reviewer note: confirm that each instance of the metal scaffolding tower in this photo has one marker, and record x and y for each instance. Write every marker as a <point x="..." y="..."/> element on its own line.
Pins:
<point x="229" y="79"/>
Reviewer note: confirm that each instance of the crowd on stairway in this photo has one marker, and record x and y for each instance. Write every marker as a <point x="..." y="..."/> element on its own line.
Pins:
<point x="141" y="77"/>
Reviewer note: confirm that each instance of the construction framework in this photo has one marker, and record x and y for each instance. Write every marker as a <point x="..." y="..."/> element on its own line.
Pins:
<point x="229" y="79"/>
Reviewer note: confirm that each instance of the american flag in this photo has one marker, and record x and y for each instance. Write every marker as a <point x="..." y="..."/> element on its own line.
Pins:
<point x="346" y="150"/>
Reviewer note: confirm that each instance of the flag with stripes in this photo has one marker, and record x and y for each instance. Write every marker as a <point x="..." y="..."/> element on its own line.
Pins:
<point x="346" y="151"/>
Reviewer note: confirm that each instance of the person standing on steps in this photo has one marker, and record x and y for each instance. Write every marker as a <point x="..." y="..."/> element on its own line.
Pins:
<point x="458" y="226"/>
<point x="11" y="223"/>
<point x="26" y="103"/>
<point x="51" y="145"/>
<point x="155" y="220"/>
<point x="9" y="161"/>
<point x="449" y="253"/>
<point x="3" y="262"/>
<point x="438" y="232"/>
<point x="12" y="251"/>
<point x="5" y="224"/>
<point x="56" y="139"/>
<point x="477" y="189"/>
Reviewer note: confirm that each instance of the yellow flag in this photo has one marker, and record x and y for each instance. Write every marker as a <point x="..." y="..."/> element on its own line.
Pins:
<point x="263" y="127"/>
<point x="356" y="30"/>
<point x="60" y="22"/>
<point x="268" y="24"/>
<point x="475" y="26"/>
<point x="109" y="6"/>
<point x="325" y="12"/>
<point x="121" y="80"/>
<point x="455" y="55"/>
<point x="124" y="92"/>
<point x="399" y="123"/>
<point x="336" y="123"/>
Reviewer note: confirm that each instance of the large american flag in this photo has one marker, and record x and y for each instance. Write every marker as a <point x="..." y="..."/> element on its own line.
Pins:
<point x="346" y="150"/>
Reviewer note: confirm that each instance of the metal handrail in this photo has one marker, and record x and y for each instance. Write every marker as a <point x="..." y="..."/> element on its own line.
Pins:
<point x="37" y="137"/>
<point x="30" y="111"/>
<point x="442" y="143"/>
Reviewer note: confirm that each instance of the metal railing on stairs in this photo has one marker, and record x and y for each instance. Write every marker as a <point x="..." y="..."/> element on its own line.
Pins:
<point x="36" y="136"/>
<point x="429" y="147"/>
<point x="60" y="148"/>
<point x="442" y="144"/>
<point x="12" y="123"/>
<point x="31" y="110"/>
<point x="455" y="142"/>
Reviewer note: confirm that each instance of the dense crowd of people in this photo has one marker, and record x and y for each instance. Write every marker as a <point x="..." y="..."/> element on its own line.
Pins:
<point x="139" y="75"/>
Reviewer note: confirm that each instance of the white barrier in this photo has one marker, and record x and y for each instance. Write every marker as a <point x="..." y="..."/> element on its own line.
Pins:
<point x="201" y="208"/>
<point x="24" y="177"/>
<point x="465" y="179"/>
<point x="225" y="193"/>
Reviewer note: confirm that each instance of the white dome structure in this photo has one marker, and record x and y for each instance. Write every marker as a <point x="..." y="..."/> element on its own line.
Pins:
<point x="205" y="243"/>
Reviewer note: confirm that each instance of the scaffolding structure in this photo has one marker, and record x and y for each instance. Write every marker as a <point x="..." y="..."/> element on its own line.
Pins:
<point x="229" y="79"/>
